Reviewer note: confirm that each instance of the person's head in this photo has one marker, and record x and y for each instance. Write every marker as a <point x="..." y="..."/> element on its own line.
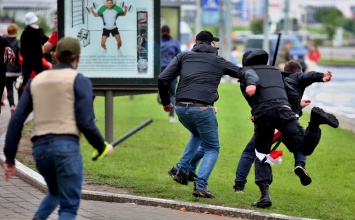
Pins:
<point x="287" y="44"/>
<point x="12" y="29"/>
<point x="206" y="37"/>
<point x="109" y="3"/>
<point x="255" y="57"/>
<point x="56" y="19"/>
<point x="293" y="67"/>
<point x="30" y="18"/>
<point x="68" y="51"/>
<point x="165" y="31"/>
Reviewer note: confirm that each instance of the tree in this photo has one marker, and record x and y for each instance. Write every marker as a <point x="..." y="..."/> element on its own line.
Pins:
<point x="349" y="25"/>
<point x="256" y="26"/>
<point x="331" y="18"/>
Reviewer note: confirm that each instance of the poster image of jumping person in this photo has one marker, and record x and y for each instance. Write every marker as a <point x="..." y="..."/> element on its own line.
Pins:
<point x="109" y="14"/>
<point x="116" y="37"/>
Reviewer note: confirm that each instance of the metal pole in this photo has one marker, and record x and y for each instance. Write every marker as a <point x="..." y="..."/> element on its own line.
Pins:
<point x="109" y="115"/>
<point x="228" y="28"/>
<point x="266" y="26"/>
<point x="286" y="20"/>
<point x="198" y="17"/>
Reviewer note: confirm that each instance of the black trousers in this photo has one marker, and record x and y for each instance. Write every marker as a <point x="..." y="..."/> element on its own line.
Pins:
<point x="2" y="82"/>
<point x="10" y="89"/>
<point x="296" y="137"/>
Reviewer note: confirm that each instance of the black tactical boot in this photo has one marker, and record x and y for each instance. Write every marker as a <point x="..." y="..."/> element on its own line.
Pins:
<point x="265" y="200"/>
<point x="181" y="177"/>
<point x="319" y="116"/>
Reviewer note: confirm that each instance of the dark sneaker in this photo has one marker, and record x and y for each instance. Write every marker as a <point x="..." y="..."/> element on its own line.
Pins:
<point x="191" y="177"/>
<point x="203" y="193"/>
<point x="181" y="177"/>
<point x="301" y="172"/>
<point x="319" y="116"/>
<point x="238" y="188"/>
<point x="172" y="172"/>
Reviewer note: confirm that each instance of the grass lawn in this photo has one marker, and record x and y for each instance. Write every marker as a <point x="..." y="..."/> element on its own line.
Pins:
<point x="142" y="161"/>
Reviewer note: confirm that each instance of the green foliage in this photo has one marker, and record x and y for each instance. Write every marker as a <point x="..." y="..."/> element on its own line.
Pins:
<point x="141" y="162"/>
<point x="331" y="18"/>
<point x="293" y="25"/>
<point x="42" y="22"/>
<point x="256" y="26"/>
<point x="349" y="25"/>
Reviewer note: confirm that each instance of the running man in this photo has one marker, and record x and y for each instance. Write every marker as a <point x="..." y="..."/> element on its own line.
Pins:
<point x="109" y="14"/>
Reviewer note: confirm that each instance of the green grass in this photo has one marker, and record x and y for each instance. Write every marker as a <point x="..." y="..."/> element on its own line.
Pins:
<point x="142" y="161"/>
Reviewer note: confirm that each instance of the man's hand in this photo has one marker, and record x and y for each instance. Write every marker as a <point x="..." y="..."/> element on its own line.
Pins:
<point x="169" y="108"/>
<point x="215" y="109"/>
<point x="9" y="170"/>
<point x="250" y="90"/>
<point x="327" y="76"/>
<point x="305" y="102"/>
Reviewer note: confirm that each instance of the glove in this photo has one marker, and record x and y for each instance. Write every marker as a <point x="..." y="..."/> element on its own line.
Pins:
<point x="274" y="157"/>
<point x="96" y="155"/>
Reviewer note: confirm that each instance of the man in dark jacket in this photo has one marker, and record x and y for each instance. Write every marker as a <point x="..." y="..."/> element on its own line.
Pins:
<point x="271" y="110"/>
<point x="32" y="39"/>
<point x="200" y="72"/>
<point x="299" y="81"/>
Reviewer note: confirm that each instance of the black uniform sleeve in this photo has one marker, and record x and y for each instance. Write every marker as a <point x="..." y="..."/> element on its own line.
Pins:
<point x="306" y="79"/>
<point x="170" y="73"/>
<point x="245" y="74"/>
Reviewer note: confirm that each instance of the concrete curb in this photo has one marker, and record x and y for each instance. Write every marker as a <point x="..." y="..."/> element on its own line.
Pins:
<point x="36" y="180"/>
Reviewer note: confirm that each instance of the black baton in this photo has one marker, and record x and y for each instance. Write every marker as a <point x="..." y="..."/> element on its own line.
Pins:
<point x="127" y="135"/>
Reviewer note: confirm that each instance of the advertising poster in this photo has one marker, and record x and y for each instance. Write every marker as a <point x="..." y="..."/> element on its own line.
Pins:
<point x="117" y="37"/>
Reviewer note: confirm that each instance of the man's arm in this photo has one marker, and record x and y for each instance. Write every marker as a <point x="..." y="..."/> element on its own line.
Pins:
<point x="13" y="135"/>
<point x="93" y="12"/>
<point x="166" y="77"/>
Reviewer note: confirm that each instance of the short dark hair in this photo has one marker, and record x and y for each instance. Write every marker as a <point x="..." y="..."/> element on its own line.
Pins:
<point x="293" y="67"/>
<point x="165" y="29"/>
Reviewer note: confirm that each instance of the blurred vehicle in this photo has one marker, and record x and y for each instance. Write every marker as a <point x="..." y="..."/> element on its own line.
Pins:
<point x="298" y="52"/>
<point x="240" y="37"/>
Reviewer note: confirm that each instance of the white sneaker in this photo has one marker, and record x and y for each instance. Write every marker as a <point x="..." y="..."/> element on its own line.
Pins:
<point x="172" y="119"/>
<point x="119" y="52"/>
<point x="104" y="51"/>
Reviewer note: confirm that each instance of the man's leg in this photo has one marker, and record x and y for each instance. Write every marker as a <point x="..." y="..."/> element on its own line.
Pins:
<point x="186" y="117"/>
<point x="45" y="166"/>
<point x="300" y="170"/>
<point x="207" y="127"/>
<point x="245" y="162"/>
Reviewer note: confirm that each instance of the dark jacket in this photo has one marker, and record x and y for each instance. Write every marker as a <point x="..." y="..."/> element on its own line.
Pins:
<point x="272" y="91"/>
<point x="200" y="72"/>
<point x="32" y="40"/>
<point x="300" y="81"/>
<point x="16" y="47"/>
<point x="84" y="115"/>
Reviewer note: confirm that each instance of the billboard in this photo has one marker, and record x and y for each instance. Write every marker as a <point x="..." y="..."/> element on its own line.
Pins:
<point x="120" y="40"/>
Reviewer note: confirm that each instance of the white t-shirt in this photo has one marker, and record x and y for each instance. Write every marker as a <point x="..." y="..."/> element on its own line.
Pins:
<point x="109" y="18"/>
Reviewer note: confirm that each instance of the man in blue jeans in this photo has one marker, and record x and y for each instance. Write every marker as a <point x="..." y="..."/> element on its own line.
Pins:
<point x="61" y="100"/>
<point x="200" y="72"/>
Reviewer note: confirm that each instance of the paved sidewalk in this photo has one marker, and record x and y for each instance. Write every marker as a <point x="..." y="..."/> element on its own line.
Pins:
<point x="20" y="197"/>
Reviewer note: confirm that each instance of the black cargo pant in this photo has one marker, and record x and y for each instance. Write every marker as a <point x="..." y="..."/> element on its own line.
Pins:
<point x="295" y="137"/>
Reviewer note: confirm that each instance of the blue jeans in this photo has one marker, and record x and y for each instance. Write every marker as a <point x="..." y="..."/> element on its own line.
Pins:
<point x="247" y="158"/>
<point x="203" y="125"/>
<point x="60" y="164"/>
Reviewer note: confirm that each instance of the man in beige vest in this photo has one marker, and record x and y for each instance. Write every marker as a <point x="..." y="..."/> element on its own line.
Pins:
<point x="61" y="101"/>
